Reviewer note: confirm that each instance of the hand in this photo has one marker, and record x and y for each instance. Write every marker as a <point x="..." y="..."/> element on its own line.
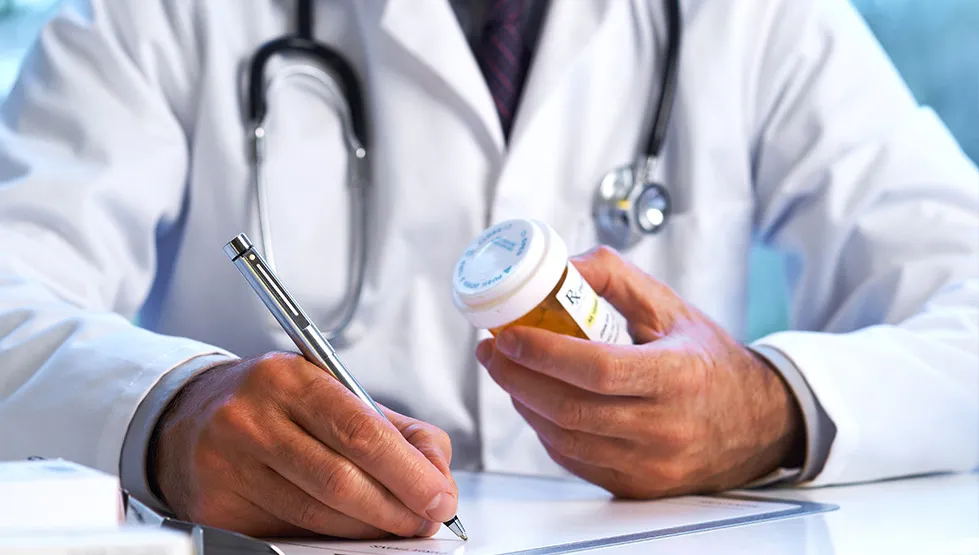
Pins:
<point x="685" y="410"/>
<point x="275" y="446"/>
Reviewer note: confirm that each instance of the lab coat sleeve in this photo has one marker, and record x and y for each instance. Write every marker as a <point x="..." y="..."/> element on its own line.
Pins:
<point x="92" y="170"/>
<point x="819" y="428"/>
<point x="878" y="211"/>
<point x="133" y="466"/>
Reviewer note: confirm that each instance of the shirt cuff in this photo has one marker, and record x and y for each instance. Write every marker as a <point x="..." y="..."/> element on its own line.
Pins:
<point x="133" y="462"/>
<point x="820" y="429"/>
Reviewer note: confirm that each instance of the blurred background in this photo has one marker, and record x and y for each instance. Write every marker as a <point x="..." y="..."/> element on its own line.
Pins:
<point x="933" y="43"/>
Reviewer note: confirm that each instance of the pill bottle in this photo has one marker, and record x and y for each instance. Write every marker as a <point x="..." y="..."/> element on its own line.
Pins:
<point x="517" y="273"/>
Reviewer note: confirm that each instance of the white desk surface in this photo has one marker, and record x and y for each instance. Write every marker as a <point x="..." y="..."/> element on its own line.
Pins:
<point x="937" y="515"/>
<point x="933" y="515"/>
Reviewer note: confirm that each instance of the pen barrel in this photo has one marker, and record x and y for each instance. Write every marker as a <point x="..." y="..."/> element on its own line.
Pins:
<point x="318" y="350"/>
<point x="307" y="338"/>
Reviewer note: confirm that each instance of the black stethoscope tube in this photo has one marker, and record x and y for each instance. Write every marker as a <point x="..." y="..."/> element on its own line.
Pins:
<point x="303" y="44"/>
<point x="664" y="108"/>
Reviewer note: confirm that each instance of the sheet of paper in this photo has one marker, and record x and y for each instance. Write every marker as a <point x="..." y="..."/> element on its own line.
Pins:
<point x="511" y="514"/>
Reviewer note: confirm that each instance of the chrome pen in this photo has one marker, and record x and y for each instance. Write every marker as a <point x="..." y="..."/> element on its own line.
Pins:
<point x="300" y="328"/>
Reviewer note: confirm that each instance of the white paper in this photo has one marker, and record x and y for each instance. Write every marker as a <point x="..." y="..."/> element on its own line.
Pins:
<point x="505" y="514"/>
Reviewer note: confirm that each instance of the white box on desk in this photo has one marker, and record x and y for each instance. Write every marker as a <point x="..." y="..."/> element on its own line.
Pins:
<point x="54" y="495"/>
<point x="124" y="541"/>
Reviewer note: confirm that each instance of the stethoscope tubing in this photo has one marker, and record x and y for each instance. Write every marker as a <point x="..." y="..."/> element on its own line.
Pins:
<point x="341" y="80"/>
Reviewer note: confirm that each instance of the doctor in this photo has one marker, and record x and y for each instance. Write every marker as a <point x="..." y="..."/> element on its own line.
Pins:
<point x="123" y="171"/>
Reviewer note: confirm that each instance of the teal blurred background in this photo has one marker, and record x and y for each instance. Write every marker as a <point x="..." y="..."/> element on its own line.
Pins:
<point x="933" y="43"/>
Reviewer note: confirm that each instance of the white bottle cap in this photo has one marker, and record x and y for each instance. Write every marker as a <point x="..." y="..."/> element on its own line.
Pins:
<point x="507" y="271"/>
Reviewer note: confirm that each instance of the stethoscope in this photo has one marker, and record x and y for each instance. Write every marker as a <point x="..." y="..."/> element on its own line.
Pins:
<point x="629" y="203"/>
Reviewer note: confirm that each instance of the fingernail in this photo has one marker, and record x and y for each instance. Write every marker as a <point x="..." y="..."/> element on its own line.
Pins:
<point x="484" y="352"/>
<point x="440" y="509"/>
<point x="508" y="344"/>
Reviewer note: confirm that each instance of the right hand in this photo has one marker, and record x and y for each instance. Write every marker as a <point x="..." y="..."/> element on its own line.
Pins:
<point x="275" y="446"/>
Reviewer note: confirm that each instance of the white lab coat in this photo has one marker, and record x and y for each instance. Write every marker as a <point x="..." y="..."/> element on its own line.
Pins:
<point x="123" y="173"/>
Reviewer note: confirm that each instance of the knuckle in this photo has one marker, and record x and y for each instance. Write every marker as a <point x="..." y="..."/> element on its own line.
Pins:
<point x="206" y="460"/>
<point x="276" y="371"/>
<point x="276" y="447"/>
<point x="339" y="484"/>
<point x="405" y="525"/>
<point x="677" y="436"/>
<point x="569" y="414"/>
<point x="311" y="516"/>
<point x="607" y="378"/>
<point x="689" y="383"/>
<point x="422" y="434"/>
<point x="266" y="372"/>
<point x="232" y="420"/>
<point x="568" y="444"/>
<point x="606" y="254"/>
<point x="674" y="474"/>
<point x="444" y="442"/>
<point x="362" y="436"/>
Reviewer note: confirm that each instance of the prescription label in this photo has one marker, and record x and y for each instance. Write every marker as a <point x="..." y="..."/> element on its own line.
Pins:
<point x="593" y="314"/>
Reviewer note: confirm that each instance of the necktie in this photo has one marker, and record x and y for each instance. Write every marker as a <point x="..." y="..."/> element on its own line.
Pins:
<point x="504" y="56"/>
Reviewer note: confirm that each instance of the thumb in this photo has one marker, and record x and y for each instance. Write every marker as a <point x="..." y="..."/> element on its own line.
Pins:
<point x="644" y="301"/>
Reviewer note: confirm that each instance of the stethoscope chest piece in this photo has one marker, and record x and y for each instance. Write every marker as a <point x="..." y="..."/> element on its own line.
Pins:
<point x="630" y="205"/>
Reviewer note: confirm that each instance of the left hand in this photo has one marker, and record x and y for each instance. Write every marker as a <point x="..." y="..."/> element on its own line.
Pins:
<point x="686" y="410"/>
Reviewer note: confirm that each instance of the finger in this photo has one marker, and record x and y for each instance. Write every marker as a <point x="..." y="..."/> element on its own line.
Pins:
<point x="636" y="295"/>
<point x="651" y="482"/>
<point x="231" y="511"/>
<point x="565" y="405"/>
<point x="428" y="439"/>
<point x="615" y="481"/>
<point x="335" y="482"/>
<point x="423" y="436"/>
<point x="287" y="502"/>
<point x="584" y="447"/>
<point x="624" y="370"/>
<point x="348" y="426"/>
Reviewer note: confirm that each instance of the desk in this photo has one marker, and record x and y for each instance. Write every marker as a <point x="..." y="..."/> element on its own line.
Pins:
<point x="934" y="515"/>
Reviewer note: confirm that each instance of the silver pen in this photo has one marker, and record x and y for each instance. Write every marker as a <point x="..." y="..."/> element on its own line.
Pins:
<point x="300" y="328"/>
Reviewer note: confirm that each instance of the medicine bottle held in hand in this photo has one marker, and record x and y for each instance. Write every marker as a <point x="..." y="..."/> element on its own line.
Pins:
<point x="517" y="273"/>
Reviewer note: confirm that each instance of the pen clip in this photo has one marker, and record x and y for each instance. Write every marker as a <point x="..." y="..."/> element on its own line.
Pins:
<point x="275" y="288"/>
<point x="256" y="270"/>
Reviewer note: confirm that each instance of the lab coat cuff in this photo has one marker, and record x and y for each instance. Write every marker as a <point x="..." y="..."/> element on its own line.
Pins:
<point x="133" y="465"/>
<point x="820" y="429"/>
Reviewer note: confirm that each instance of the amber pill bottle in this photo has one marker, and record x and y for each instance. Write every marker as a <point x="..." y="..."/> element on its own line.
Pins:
<point x="517" y="273"/>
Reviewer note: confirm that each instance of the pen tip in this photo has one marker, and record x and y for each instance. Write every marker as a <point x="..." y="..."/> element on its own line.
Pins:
<point x="456" y="526"/>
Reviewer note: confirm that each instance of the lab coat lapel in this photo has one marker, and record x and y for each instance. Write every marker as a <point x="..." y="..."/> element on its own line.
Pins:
<point x="429" y="31"/>
<point x="585" y="62"/>
<point x="570" y="30"/>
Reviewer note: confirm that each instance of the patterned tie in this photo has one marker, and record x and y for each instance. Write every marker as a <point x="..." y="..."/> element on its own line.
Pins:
<point x="504" y="56"/>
